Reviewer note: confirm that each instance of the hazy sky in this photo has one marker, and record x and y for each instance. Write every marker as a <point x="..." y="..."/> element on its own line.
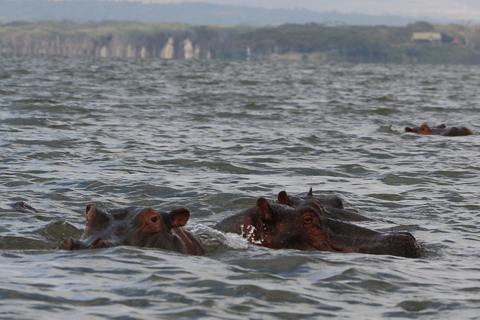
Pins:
<point x="456" y="9"/>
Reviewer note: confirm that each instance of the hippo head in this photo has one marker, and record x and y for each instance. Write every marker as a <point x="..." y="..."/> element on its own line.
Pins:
<point x="423" y="129"/>
<point x="150" y="228"/>
<point x="307" y="226"/>
<point x="440" y="130"/>
<point x="299" y="227"/>
<point x="304" y="224"/>
<point x="133" y="226"/>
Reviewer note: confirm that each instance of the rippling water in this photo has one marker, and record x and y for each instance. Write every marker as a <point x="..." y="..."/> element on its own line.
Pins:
<point x="213" y="136"/>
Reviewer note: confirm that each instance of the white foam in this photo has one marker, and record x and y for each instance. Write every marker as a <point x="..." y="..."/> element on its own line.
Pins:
<point x="209" y="235"/>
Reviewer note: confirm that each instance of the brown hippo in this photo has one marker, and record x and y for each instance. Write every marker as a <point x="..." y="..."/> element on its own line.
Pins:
<point x="307" y="227"/>
<point x="333" y="205"/>
<point x="17" y="206"/>
<point x="136" y="226"/>
<point x="442" y="130"/>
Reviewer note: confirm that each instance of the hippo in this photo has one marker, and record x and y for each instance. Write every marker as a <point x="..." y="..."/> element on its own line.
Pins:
<point x="136" y="226"/>
<point x="19" y="206"/>
<point x="306" y="226"/>
<point x="333" y="206"/>
<point x="442" y="130"/>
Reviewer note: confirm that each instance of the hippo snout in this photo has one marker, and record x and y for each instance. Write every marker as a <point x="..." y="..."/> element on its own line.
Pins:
<point x="405" y="244"/>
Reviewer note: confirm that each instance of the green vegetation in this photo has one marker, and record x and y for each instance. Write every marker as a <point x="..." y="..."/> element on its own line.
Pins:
<point x="367" y="43"/>
<point x="460" y="44"/>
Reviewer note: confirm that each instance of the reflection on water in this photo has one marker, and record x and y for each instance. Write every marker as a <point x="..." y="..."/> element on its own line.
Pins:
<point x="213" y="136"/>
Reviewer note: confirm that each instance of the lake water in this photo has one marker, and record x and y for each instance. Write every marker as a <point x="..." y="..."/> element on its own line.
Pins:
<point x="213" y="136"/>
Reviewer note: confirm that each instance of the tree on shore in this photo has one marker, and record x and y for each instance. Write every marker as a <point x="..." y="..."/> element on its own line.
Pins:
<point x="460" y="43"/>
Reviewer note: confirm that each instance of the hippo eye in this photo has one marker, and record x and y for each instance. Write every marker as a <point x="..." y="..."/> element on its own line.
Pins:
<point x="154" y="219"/>
<point x="308" y="220"/>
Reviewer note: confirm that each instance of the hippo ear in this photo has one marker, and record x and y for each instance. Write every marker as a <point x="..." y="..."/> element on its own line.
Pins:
<point x="263" y="207"/>
<point x="90" y="211"/>
<point x="96" y="217"/>
<point x="310" y="192"/>
<point x="89" y="207"/>
<point x="178" y="217"/>
<point x="282" y="198"/>
<point x="67" y="244"/>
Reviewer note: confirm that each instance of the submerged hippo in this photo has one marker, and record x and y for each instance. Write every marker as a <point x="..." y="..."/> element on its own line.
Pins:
<point x="307" y="227"/>
<point x="442" y="130"/>
<point x="136" y="226"/>
<point x="17" y="206"/>
<point x="333" y="205"/>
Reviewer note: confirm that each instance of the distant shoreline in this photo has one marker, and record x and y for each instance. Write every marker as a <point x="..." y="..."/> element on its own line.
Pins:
<point x="444" y="44"/>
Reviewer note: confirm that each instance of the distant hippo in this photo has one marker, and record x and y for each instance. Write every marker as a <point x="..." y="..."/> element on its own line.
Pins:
<point x="136" y="226"/>
<point x="307" y="227"/>
<point x="17" y="206"/>
<point x="333" y="205"/>
<point x="442" y="130"/>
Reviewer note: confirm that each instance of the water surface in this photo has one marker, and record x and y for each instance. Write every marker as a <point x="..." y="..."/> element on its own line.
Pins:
<point x="213" y="136"/>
